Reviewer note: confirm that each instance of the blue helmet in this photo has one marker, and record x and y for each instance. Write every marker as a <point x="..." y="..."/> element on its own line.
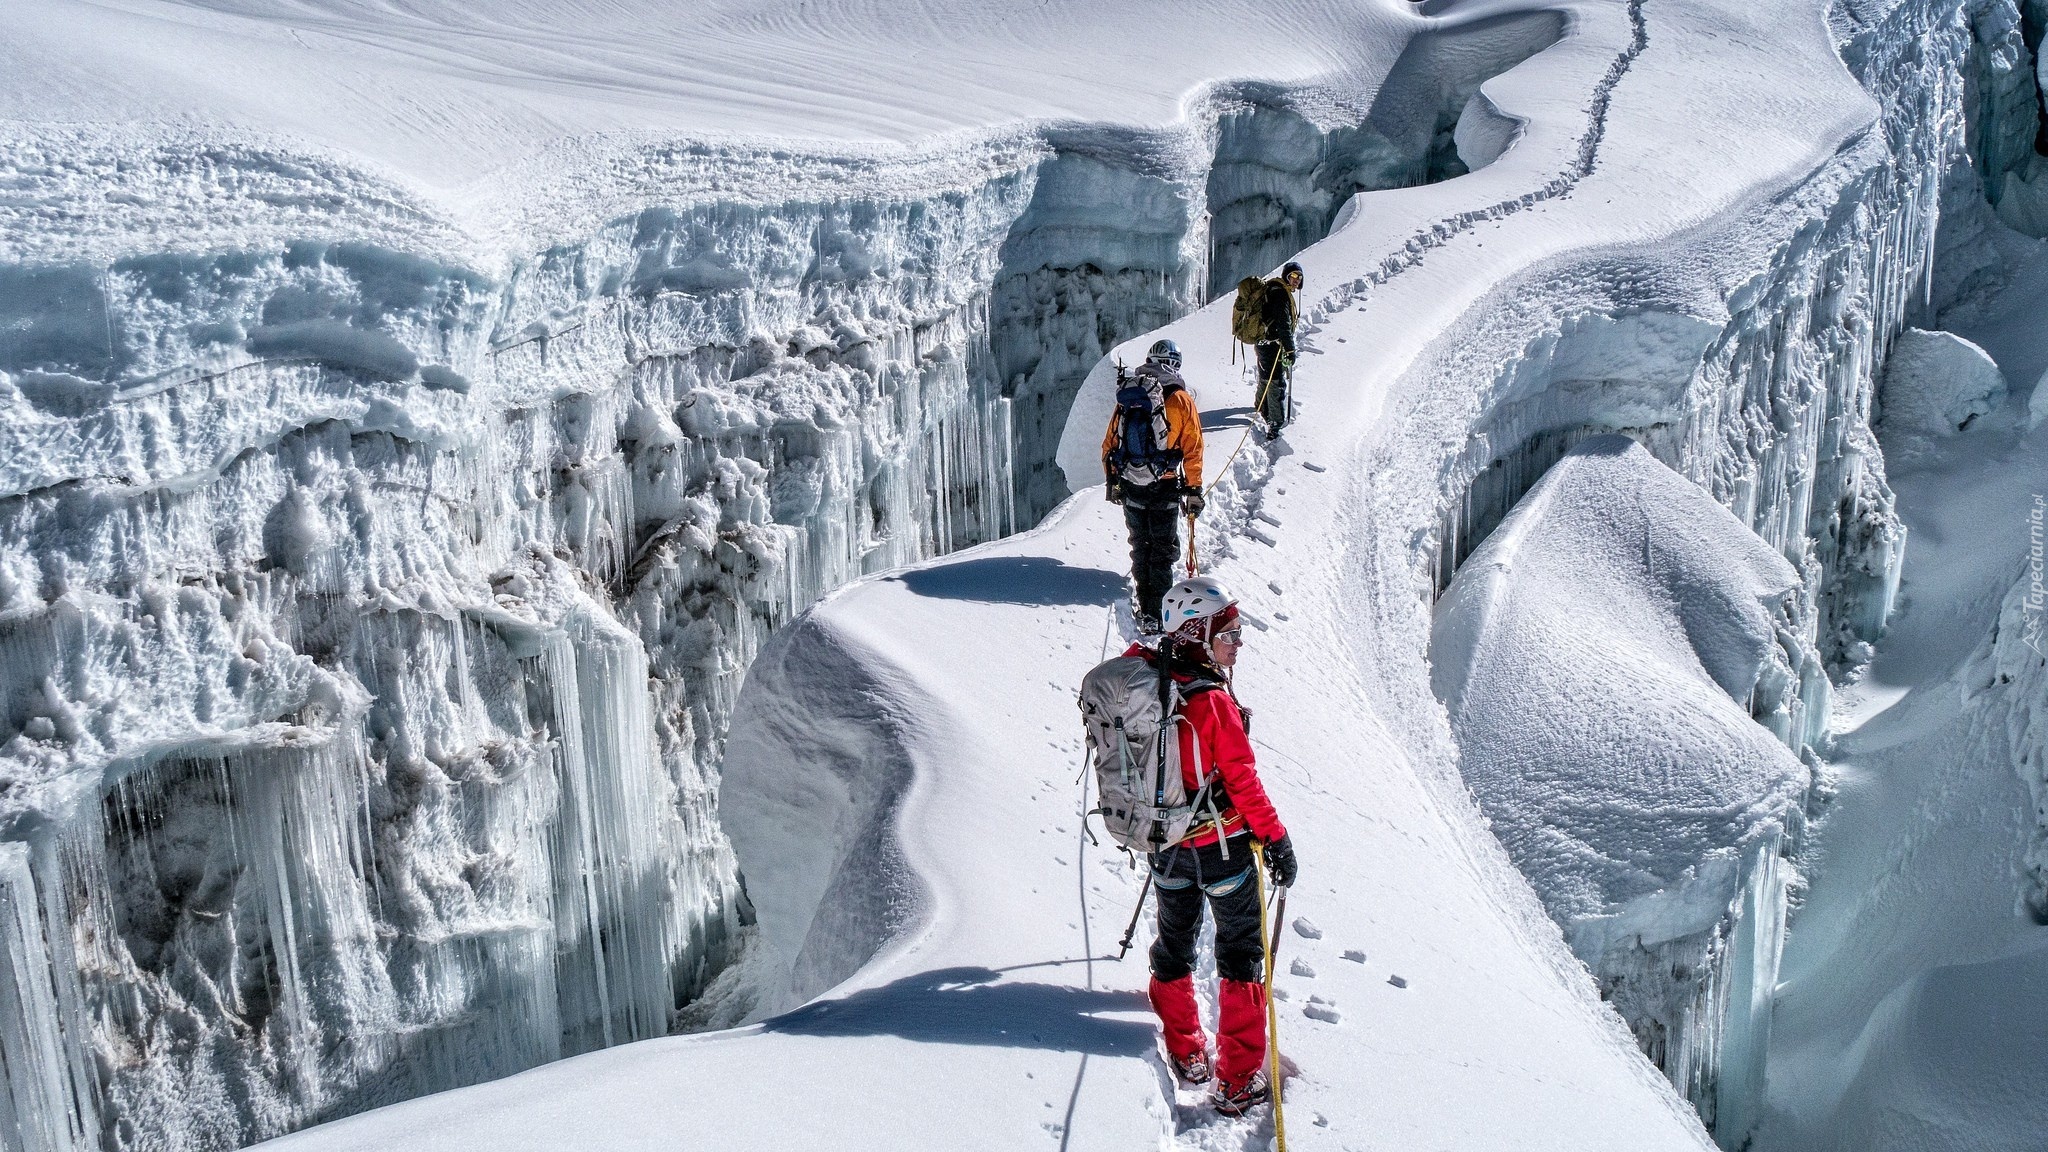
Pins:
<point x="1165" y="352"/>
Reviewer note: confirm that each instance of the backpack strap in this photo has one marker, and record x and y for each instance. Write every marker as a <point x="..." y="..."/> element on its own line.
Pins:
<point x="1172" y="708"/>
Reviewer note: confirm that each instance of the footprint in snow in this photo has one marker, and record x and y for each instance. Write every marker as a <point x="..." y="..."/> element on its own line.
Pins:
<point x="1300" y="969"/>
<point x="1306" y="928"/>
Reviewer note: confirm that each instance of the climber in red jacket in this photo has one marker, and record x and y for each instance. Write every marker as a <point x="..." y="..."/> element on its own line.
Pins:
<point x="1213" y="863"/>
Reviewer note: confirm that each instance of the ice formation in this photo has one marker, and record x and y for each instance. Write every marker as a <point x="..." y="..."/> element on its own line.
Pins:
<point x="2011" y="683"/>
<point x="375" y="586"/>
<point x="1767" y="406"/>
<point x="1935" y="384"/>
<point x="1629" y="689"/>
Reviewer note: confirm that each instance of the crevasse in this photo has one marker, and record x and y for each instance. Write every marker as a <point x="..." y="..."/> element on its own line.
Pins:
<point x="371" y="617"/>
<point x="1769" y="410"/>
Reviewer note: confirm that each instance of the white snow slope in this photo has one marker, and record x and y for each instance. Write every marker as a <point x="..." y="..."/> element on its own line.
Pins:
<point x="1690" y="184"/>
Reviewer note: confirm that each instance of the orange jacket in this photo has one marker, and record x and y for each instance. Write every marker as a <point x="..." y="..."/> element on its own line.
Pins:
<point x="1183" y="431"/>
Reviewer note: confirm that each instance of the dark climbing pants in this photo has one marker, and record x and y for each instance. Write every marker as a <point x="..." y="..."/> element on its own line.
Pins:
<point x="1187" y="878"/>
<point x="1154" y="523"/>
<point x="1274" y="380"/>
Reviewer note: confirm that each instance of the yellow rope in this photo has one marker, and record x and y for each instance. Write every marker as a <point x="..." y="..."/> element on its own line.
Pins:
<point x="1272" y="1013"/>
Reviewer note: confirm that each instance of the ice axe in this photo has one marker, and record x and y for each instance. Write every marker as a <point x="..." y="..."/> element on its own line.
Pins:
<point x="1191" y="545"/>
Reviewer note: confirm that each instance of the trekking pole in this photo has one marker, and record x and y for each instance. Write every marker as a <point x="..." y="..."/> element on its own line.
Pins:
<point x="1191" y="545"/>
<point x="1271" y="939"/>
<point x="1131" y="929"/>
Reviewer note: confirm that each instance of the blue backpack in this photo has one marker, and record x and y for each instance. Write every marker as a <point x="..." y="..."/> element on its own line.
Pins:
<point x="1141" y="457"/>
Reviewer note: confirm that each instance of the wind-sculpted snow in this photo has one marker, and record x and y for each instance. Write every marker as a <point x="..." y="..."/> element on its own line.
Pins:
<point x="1601" y="657"/>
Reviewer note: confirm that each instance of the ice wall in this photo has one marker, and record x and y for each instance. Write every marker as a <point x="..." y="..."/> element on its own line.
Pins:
<point x="370" y="626"/>
<point x="2009" y="682"/>
<point x="1763" y="399"/>
<point x="2004" y="100"/>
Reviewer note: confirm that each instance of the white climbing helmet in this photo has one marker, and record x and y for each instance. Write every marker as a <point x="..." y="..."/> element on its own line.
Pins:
<point x="1164" y="352"/>
<point x="1185" y="612"/>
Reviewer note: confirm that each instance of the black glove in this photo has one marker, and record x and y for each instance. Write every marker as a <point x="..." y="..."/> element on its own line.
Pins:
<point x="1113" y="492"/>
<point x="1280" y="861"/>
<point x="1191" y="502"/>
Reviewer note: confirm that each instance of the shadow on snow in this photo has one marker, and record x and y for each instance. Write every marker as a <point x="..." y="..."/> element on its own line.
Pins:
<point x="970" y="1005"/>
<point x="1016" y="580"/>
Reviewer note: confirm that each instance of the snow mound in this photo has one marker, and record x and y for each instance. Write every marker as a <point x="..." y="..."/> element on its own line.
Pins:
<point x="1935" y="384"/>
<point x="1603" y="656"/>
<point x="1597" y="656"/>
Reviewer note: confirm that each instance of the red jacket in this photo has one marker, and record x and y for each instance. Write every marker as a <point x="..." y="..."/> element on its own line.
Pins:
<point x="1214" y="721"/>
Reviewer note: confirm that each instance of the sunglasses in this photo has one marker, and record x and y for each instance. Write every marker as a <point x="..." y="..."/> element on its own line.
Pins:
<point x="1234" y="636"/>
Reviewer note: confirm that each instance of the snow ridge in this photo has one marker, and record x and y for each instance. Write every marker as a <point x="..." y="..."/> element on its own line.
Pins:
<point x="1355" y="293"/>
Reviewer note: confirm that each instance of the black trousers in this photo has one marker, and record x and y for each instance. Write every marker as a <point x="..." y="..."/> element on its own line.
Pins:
<point x="1186" y="878"/>
<point x="1274" y="381"/>
<point x="1154" y="522"/>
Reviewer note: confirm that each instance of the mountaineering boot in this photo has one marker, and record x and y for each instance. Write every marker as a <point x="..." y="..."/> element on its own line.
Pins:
<point x="1237" y="1099"/>
<point x="1240" y="1031"/>
<point x="1181" y="1022"/>
<point x="1192" y="1070"/>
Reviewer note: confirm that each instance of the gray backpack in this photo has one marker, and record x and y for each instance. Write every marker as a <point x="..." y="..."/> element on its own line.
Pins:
<point x="1130" y="713"/>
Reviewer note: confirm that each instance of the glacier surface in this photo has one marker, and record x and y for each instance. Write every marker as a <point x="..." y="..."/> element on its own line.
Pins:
<point x="399" y="491"/>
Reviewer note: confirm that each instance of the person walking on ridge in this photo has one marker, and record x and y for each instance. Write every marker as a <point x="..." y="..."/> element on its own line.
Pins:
<point x="1213" y="864"/>
<point x="1152" y="462"/>
<point x="1279" y="316"/>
